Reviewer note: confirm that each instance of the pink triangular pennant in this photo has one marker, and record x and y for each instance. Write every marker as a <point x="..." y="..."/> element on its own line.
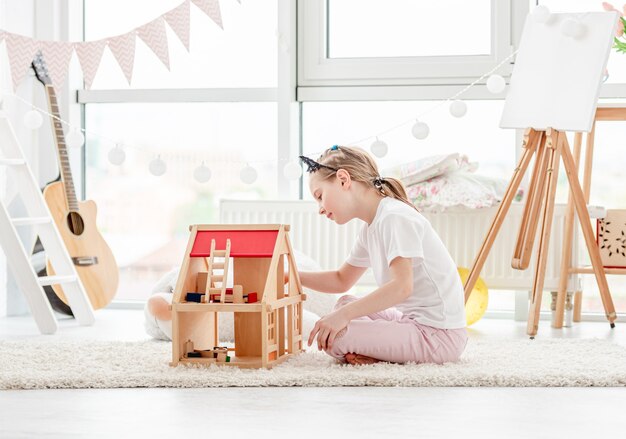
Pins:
<point x="123" y="49"/>
<point x="56" y="55"/>
<point x="178" y="19"/>
<point x="21" y="51"/>
<point x="212" y="9"/>
<point x="89" y="56"/>
<point x="153" y="34"/>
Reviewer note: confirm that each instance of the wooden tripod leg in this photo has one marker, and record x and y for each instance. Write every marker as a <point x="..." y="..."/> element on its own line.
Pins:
<point x="530" y="217"/>
<point x="568" y="236"/>
<point x="530" y="145"/>
<point x="552" y="174"/>
<point x="585" y="224"/>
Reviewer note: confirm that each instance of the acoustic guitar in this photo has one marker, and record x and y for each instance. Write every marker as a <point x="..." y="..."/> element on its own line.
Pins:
<point x="76" y="221"/>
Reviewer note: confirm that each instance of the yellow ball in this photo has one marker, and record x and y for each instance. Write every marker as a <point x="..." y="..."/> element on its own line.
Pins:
<point x="477" y="303"/>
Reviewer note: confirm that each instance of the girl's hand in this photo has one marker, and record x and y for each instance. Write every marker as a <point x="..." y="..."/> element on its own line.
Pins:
<point x="327" y="329"/>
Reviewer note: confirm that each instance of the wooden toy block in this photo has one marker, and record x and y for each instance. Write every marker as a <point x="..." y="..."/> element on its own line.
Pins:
<point x="201" y="281"/>
<point x="194" y="297"/>
<point x="188" y="346"/>
<point x="237" y="294"/>
<point x="268" y="319"/>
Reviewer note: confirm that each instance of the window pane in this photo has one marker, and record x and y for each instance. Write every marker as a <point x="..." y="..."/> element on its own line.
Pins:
<point x="396" y="28"/>
<point x="244" y="54"/>
<point x="145" y="218"/>
<point x="617" y="61"/>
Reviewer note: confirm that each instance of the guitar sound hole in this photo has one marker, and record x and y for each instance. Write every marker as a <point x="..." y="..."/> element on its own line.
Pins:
<point x="75" y="223"/>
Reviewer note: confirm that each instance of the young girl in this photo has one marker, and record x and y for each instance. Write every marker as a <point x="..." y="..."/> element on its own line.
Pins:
<point x="417" y="312"/>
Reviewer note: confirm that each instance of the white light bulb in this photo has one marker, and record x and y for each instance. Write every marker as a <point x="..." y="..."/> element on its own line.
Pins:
<point x="157" y="167"/>
<point x="420" y="130"/>
<point x="495" y="84"/>
<point x="75" y="138"/>
<point x="248" y="175"/>
<point x="541" y="14"/>
<point x="116" y="156"/>
<point x="33" y="119"/>
<point x="292" y="171"/>
<point x="570" y="27"/>
<point x="458" y="108"/>
<point x="379" y="148"/>
<point x="202" y="173"/>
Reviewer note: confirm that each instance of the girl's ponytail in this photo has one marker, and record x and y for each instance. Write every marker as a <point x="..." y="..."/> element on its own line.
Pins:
<point x="392" y="187"/>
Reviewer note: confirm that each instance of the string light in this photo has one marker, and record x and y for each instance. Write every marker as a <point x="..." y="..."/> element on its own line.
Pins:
<point x="117" y="155"/>
<point x="541" y="14"/>
<point x="248" y="174"/>
<point x="420" y="130"/>
<point x="33" y="119"/>
<point x="292" y="171"/>
<point x="379" y="148"/>
<point x="75" y="138"/>
<point x="157" y="166"/>
<point x="458" y="108"/>
<point x="202" y="173"/>
<point x="496" y="84"/>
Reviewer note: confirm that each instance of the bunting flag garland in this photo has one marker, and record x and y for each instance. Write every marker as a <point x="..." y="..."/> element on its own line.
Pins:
<point x="178" y="19"/>
<point x="212" y="9"/>
<point x="89" y="56"/>
<point x="153" y="34"/>
<point x="123" y="49"/>
<point x="21" y="49"/>
<point x="57" y="56"/>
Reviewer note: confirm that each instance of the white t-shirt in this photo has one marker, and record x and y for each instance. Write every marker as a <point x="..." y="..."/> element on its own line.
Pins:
<point x="399" y="230"/>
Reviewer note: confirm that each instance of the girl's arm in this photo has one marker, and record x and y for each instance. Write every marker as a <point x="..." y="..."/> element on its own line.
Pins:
<point x="336" y="281"/>
<point x="393" y="292"/>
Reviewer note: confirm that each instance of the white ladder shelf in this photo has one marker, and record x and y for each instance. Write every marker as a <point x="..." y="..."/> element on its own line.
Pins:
<point x="12" y="157"/>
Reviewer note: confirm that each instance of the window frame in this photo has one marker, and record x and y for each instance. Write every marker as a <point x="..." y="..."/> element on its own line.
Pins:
<point x="315" y="69"/>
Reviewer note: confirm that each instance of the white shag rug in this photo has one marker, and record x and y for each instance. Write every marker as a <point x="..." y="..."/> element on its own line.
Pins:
<point x="499" y="362"/>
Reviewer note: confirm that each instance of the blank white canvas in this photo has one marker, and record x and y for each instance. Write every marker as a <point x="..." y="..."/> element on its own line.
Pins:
<point x="556" y="79"/>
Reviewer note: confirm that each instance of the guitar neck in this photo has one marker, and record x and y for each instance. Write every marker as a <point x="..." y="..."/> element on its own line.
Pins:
<point x="59" y="139"/>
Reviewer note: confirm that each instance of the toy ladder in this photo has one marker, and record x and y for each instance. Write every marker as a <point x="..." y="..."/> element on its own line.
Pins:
<point x="12" y="157"/>
<point x="212" y="265"/>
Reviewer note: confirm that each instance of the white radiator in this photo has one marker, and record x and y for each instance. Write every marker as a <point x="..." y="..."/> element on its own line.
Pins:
<point x="462" y="232"/>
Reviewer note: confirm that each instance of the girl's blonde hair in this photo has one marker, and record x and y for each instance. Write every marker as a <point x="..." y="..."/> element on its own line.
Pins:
<point x="361" y="167"/>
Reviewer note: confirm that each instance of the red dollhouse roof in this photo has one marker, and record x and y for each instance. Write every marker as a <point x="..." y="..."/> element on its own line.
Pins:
<point x="243" y="243"/>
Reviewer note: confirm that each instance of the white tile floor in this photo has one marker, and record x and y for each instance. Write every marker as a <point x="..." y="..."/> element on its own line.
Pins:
<point x="311" y="412"/>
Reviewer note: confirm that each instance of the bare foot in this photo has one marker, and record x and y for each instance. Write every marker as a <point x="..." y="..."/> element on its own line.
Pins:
<point x="358" y="359"/>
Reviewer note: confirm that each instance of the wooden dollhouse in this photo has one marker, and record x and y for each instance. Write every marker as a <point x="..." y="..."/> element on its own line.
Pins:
<point x="267" y="310"/>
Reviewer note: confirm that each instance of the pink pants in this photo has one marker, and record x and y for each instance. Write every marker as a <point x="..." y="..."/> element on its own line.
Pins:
<point x="391" y="336"/>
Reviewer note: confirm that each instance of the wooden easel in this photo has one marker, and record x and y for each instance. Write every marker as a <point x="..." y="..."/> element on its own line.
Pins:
<point x="548" y="147"/>
<point x="605" y="112"/>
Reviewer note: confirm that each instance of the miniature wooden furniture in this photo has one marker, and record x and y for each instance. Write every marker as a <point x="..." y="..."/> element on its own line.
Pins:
<point x="547" y="147"/>
<point x="605" y="112"/>
<point x="268" y="328"/>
